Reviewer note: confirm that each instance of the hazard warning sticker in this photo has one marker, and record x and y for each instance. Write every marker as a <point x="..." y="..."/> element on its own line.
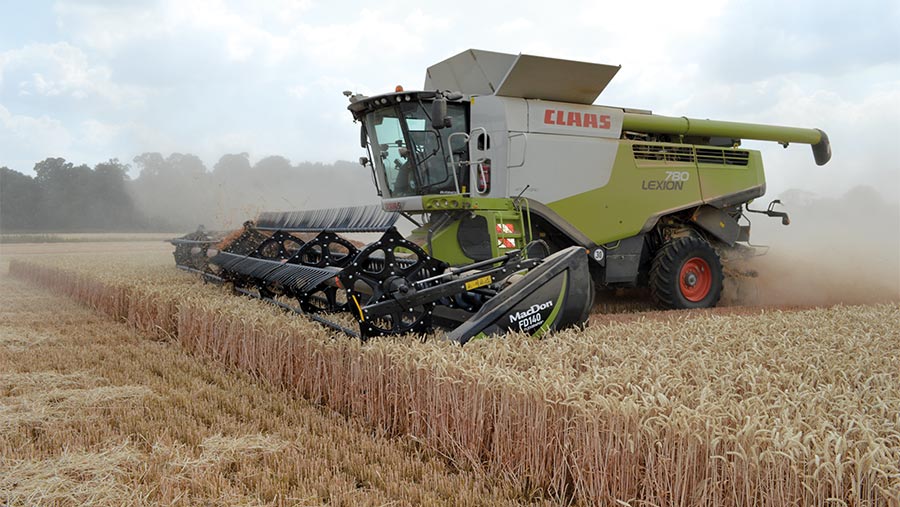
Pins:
<point x="479" y="282"/>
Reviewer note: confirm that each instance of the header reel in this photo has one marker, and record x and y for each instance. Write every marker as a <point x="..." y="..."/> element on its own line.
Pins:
<point x="391" y="286"/>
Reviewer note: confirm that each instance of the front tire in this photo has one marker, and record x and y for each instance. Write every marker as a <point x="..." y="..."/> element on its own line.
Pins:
<point x="686" y="273"/>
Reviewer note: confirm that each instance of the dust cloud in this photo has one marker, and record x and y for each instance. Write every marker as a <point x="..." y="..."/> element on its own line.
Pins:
<point x="179" y="192"/>
<point x="836" y="250"/>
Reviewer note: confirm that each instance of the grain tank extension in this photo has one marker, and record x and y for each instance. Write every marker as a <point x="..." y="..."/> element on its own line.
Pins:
<point x="506" y="156"/>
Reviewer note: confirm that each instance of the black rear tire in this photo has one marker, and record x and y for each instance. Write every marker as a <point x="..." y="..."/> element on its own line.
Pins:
<point x="686" y="273"/>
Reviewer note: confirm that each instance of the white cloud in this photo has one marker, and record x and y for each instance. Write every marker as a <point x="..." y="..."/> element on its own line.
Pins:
<point x="97" y="133"/>
<point x="242" y="31"/>
<point x="298" y="91"/>
<point x="31" y="139"/>
<point x="515" y="25"/>
<point x="243" y="36"/>
<point x="350" y="45"/>
<point x="270" y="32"/>
<point x="60" y="69"/>
<point x="106" y="26"/>
<point x="36" y="136"/>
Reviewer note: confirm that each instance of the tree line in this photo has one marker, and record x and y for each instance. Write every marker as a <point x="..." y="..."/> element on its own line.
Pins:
<point x="62" y="196"/>
<point x="171" y="193"/>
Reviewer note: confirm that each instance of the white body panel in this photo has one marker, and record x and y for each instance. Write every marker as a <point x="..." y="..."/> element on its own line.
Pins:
<point x="570" y="153"/>
<point x="558" y="166"/>
<point x="574" y="119"/>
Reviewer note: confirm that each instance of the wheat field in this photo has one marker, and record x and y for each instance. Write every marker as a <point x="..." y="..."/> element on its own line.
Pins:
<point x="94" y="413"/>
<point x="766" y="407"/>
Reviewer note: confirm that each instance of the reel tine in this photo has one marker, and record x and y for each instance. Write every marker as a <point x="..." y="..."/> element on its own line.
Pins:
<point x="297" y="277"/>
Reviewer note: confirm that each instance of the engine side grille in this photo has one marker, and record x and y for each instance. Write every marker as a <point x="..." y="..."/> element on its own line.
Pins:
<point x="722" y="157"/>
<point x="663" y="153"/>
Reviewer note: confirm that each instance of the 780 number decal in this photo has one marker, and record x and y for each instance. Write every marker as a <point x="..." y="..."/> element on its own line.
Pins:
<point x="677" y="175"/>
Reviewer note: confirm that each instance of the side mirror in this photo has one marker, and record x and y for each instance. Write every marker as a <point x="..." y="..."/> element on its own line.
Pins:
<point x="439" y="118"/>
<point x="364" y="161"/>
<point x="363" y="140"/>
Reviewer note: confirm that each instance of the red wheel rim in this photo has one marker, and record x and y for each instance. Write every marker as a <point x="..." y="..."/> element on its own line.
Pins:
<point x="695" y="279"/>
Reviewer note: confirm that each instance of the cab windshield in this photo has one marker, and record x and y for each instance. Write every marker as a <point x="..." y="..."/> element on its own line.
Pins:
<point x="411" y="154"/>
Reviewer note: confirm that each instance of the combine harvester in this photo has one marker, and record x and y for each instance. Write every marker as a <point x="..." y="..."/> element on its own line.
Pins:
<point x="527" y="196"/>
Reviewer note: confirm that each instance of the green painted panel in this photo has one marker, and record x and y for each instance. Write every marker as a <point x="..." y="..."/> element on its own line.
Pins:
<point x="634" y="194"/>
<point x="720" y="180"/>
<point x="446" y="246"/>
<point x="666" y="179"/>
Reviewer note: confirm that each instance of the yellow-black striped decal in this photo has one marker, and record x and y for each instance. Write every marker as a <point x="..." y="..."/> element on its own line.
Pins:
<point x="479" y="282"/>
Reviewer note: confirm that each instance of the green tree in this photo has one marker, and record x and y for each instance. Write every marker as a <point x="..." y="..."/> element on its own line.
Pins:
<point x="20" y="197"/>
<point x="80" y="198"/>
<point x="111" y="206"/>
<point x="65" y="190"/>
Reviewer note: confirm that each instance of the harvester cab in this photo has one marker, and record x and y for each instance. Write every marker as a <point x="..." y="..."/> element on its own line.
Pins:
<point x="525" y="197"/>
<point x="412" y="150"/>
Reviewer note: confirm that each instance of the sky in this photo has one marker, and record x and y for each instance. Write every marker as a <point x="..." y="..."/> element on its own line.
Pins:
<point x="93" y="80"/>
